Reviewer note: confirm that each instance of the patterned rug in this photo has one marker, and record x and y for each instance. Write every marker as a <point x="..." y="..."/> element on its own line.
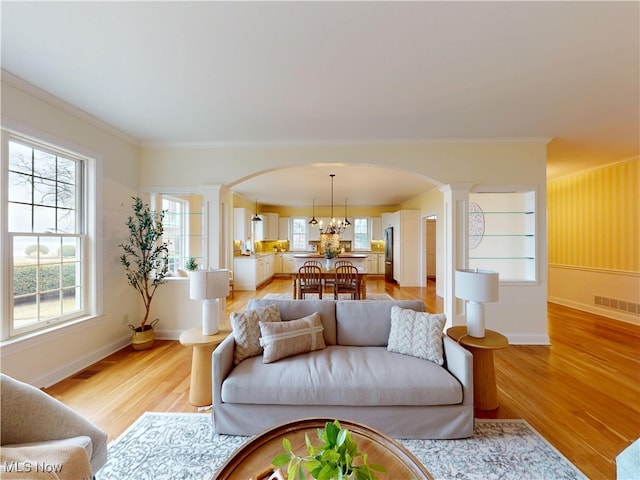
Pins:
<point x="314" y="296"/>
<point x="181" y="446"/>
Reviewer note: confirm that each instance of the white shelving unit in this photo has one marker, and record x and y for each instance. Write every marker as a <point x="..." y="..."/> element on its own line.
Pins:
<point x="502" y="234"/>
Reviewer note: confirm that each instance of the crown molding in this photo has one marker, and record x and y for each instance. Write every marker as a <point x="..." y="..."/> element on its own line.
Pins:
<point x="36" y="92"/>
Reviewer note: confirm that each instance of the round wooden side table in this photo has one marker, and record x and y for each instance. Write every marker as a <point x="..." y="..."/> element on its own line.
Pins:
<point x="203" y="347"/>
<point x="485" y="392"/>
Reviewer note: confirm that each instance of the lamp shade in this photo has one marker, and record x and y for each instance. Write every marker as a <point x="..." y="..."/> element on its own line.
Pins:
<point x="477" y="285"/>
<point x="208" y="284"/>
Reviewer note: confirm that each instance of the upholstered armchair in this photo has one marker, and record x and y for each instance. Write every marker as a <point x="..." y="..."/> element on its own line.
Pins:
<point x="38" y="430"/>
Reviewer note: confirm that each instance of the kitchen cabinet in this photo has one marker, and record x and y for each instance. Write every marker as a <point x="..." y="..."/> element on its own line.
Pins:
<point x="377" y="232"/>
<point x="251" y="272"/>
<point x="241" y="224"/>
<point x="406" y="247"/>
<point x="267" y="229"/>
<point x="372" y="264"/>
<point x="284" y="228"/>
<point x="381" y="263"/>
<point x="288" y="263"/>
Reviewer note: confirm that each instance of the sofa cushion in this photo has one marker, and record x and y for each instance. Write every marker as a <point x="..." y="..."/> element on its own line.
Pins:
<point x="341" y="375"/>
<point x="294" y="309"/>
<point x="367" y="323"/>
<point x="285" y="339"/>
<point x="418" y="334"/>
<point x="246" y="330"/>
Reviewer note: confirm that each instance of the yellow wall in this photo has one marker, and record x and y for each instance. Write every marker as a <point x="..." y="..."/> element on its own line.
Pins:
<point x="594" y="218"/>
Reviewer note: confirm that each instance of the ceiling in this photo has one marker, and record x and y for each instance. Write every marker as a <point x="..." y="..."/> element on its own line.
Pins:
<point x="247" y="73"/>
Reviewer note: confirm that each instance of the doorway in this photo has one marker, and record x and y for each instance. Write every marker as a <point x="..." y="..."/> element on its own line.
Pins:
<point x="430" y="248"/>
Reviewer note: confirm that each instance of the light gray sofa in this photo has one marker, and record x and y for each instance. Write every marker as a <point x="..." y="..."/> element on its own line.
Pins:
<point x="355" y="377"/>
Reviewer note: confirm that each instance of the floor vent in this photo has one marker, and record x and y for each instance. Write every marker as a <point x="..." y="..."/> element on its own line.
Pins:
<point x="622" y="305"/>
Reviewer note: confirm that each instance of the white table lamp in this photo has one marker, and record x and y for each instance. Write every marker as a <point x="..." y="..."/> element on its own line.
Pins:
<point x="477" y="287"/>
<point x="210" y="286"/>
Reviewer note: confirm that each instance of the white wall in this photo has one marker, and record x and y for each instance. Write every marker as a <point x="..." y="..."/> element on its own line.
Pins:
<point x="48" y="358"/>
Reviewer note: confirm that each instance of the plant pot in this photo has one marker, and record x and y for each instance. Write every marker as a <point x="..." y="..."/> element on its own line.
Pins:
<point x="142" y="337"/>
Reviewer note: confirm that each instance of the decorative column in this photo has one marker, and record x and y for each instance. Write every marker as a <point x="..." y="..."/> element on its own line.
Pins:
<point x="216" y="225"/>
<point x="456" y="246"/>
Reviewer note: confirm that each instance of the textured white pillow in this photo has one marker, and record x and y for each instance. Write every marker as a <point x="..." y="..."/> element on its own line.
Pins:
<point x="418" y="334"/>
<point x="246" y="330"/>
<point x="292" y="337"/>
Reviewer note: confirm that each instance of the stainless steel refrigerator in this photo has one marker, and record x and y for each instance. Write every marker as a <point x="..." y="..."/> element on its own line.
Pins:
<point x="388" y="254"/>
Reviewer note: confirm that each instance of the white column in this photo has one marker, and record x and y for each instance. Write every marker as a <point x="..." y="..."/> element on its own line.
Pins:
<point x="216" y="226"/>
<point x="456" y="246"/>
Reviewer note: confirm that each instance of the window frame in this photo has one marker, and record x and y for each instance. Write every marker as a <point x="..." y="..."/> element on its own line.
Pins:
<point x="367" y="245"/>
<point x="88" y="234"/>
<point x="294" y="245"/>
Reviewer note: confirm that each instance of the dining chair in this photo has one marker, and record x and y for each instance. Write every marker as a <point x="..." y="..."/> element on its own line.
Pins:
<point x="313" y="263"/>
<point x="329" y="282"/>
<point x="309" y="281"/>
<point x="346" y="281"/>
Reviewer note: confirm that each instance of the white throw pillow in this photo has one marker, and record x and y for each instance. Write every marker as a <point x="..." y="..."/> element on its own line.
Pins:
<point x="285" y="339"/>
<point x="246" y="330"/>
<point x="418" y="334"/>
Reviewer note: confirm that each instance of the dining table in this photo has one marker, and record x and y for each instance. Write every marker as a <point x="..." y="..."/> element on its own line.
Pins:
<point x="325" y="274"/>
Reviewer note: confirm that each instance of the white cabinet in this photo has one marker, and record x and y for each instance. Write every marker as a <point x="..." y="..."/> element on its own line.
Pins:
<point x="249" y="273"/>
<point x="376" y="228"/>
<point x="288" y="263"/>
<point x="372" y="264"/>
<point x="277" y="263"/>
<point x="381" y="263"/>
<point x="284" y="228"/>
<point x="386" y="220"/>
<point x="267" y="229"/>
<point x="241" y="224"/>
<point x="406" y="248"/>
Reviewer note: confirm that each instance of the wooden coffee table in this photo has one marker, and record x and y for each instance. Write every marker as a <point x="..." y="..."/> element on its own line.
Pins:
<point x="254" y="457"/>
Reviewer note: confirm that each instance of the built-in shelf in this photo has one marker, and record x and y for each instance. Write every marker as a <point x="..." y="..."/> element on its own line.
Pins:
<point x="502" y="234"/>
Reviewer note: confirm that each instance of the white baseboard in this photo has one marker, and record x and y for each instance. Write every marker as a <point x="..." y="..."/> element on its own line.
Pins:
<point x="81" y="363"/>
<point x="164" y="334"/>
<point x="596" y="310"/>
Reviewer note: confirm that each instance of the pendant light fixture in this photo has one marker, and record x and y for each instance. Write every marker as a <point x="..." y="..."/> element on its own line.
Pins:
<point x="313" y="222"/>
<point x="256" y="218"/>
<point x="334" y="227"/>
<point x="346" y="221"/>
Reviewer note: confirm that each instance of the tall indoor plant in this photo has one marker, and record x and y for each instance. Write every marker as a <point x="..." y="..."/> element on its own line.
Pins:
<point x="146" y="263"/>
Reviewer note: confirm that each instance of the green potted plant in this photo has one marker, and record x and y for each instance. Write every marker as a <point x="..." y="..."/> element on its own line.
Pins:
<point x="332" y="461"/>
<point x="191" y="264"/>
<point x="146" y="263"/>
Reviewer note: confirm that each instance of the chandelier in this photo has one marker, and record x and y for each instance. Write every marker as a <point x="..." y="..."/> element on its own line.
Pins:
<point x="334" y="227"/>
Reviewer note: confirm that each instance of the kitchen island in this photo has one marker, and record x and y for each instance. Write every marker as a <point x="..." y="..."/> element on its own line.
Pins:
<point x="359" y="260"/>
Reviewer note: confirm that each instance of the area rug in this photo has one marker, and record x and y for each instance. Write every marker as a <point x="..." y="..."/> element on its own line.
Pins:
<point x="181" y="446"/>
<point x="314" y="296"/>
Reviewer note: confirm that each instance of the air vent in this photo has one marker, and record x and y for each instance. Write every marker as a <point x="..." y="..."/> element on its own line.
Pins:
<point x="616" y="304"/>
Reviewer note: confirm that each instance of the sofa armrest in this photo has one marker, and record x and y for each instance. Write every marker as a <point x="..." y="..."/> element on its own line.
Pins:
<point x="221" y="365"/>
<point x="30" y="415"/>
<point x="459" y="362"/>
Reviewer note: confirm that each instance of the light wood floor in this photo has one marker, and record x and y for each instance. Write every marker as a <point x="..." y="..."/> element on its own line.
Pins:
<point x="582" y="393"/>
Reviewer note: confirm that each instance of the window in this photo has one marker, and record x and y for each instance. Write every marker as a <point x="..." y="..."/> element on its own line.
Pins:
<point x="298" y="233"/>
<point x="182" y="227"/>
<point x="46" y="237"/>
<point x="361" y="239"/>
<point x="175" y="229"/>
